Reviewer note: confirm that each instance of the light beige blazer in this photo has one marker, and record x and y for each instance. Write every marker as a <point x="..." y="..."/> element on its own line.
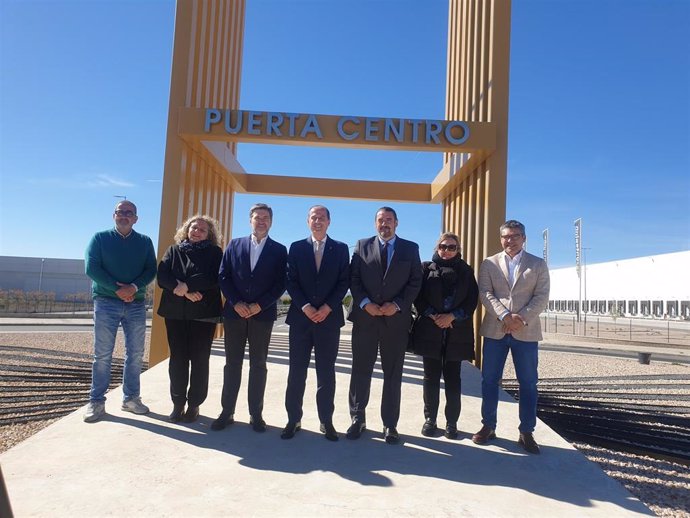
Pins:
<point x="527" y="297"/>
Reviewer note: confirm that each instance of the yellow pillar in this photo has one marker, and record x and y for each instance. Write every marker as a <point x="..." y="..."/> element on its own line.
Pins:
<point x="206" y="68"/>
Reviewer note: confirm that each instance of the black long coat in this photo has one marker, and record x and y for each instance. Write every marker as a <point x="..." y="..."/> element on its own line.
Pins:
<point x="427" y="338"/>
<point x="199" y="269"/>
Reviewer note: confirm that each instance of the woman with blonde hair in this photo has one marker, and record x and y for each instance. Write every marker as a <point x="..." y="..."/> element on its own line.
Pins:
<point x="191" y="306"/>
<point x="443" y="332"/>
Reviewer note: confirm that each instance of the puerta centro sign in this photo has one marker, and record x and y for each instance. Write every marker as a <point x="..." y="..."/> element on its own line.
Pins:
<point x="278" y="125"/>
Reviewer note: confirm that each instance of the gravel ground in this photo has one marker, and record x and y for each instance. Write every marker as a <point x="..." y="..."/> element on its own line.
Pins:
<point x="662" y="485"/>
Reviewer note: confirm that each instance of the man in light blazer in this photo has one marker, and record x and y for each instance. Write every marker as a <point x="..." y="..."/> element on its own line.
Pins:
<point x="318" y="276"/>
<point x="386" y="275"/>
<point x="252" y="279"/>
<point x="514" y="289"/>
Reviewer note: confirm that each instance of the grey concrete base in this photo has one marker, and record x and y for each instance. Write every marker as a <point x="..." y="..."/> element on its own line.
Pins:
<point x="129" y="465"/>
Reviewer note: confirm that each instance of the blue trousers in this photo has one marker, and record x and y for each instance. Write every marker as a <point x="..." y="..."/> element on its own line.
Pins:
<point x="108" y="314"/>
<point x="525" y="360"/>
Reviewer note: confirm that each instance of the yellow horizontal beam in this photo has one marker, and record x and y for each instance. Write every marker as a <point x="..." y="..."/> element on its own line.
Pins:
<point x="446" y="181"/>
<point x="342" y="189"/>
<point x="336" y="131"/>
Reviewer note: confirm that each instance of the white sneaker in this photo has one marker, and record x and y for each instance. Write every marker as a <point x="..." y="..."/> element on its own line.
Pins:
<point x="135" y="406"/>
<point x="94" y="411"/>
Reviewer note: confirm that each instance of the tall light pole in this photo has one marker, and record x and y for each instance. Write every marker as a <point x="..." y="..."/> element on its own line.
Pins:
<point x="584" y="257"/>
<point x="40" y="276"/>
<point x="578" y="253"/>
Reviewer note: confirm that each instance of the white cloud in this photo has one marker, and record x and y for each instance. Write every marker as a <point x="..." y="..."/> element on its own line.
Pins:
<point x="104" y="180"/>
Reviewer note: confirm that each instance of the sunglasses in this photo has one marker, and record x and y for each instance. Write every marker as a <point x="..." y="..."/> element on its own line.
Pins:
<point x="448" y="248"/>
<point x="125" y="213"/>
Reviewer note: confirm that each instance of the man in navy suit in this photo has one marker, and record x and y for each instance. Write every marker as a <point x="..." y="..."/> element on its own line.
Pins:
<point x="386" y="275"/>
<point x="318" y="276"/>
<point x="252" y="278"/>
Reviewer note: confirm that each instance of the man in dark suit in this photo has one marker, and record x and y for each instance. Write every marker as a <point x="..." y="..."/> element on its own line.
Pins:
<point x="252" y="278"/>
<point x="318" y="276"/>
<point x="386" y="275"/>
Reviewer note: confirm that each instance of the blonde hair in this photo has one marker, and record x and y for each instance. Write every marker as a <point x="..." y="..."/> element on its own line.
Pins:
<point x="214" y="236"/>
<point x="448" y="235"/>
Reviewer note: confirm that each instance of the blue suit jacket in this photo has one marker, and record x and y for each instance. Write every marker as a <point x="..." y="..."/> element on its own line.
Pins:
<point x="264" y="285"/>
<point x="327" y="286"/>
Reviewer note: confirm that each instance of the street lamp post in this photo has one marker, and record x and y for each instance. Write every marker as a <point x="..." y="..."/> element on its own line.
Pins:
<point x="40" y="276"/>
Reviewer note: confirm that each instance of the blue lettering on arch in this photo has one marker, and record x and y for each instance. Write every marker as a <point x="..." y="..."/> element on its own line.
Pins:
<point x="398" y="133"/>
<point x="341" y="128"/>
<point x="253" y="120"/>
<point x="465" y="132"/>
<point x="212" y="117"/>
<point x="433" y="128"/>
<point x="273" y="122"/>
<point x="311" y="126"/>
<point x="238" y="121"/>
<point x="371" y="129"/>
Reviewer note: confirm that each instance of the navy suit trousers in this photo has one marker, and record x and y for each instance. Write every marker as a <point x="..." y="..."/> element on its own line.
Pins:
<point x="324" y="341"/>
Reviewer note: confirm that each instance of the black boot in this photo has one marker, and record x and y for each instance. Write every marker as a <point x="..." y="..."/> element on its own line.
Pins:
<point x="177" y="413"/>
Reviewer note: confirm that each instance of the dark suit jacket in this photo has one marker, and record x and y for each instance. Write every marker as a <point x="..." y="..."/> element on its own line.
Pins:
<point x="400" y="284"/>
<point x="264" y="285"/>
<point x="327" y="286"/>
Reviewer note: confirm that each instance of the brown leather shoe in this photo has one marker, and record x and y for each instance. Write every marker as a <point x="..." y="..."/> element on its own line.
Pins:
<point x="484" y="435"/>
<point x="528" y="443"/>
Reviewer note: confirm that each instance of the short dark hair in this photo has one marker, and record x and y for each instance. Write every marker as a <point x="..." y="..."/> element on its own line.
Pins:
<point x="260" y="206"/>
<point x="513" y="223"/>
<point x="387" y="209"/>
<point x="328" y="212"/>
<point x="127" y="202"/>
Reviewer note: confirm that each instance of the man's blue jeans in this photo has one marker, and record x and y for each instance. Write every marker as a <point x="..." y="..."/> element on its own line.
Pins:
<point x="108" y="314"/>
<point x="525" y="361"/>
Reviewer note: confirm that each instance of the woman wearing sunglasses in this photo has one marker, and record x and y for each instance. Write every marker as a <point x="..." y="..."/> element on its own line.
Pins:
<point x="443" y="332"/>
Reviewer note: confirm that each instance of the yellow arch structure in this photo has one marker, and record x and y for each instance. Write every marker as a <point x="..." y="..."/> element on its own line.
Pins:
<point x="201" y="172"/>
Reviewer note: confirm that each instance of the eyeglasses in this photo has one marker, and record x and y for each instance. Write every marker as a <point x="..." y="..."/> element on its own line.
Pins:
<point x="125" y="213"/>
<point x="509" y="237"/>
<point x="449" y="248"/>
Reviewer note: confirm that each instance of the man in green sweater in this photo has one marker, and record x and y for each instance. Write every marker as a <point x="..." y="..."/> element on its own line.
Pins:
<point x="121" y="263"/>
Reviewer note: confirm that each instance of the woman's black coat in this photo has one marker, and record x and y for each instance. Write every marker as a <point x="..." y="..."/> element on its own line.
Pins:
<point x="197" y="268"/>
<point x="427" y="338"/>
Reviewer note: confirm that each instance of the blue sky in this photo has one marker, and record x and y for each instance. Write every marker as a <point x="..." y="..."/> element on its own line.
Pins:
<point x="599" y="116"/>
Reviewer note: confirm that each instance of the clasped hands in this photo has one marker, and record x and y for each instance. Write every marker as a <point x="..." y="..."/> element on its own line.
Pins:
<point x="387" y="309"/>
<point x="126" y="291"/>
<point x="317" y="315"/>
<point x="512" y="323"/>
<point x="443" y="320"/>
<point x="182" y="290"/>
<point x="247" y="310"/>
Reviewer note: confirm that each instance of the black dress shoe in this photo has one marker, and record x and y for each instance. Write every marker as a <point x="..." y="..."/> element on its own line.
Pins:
<point x="177" y="413"/>
<point x="451" y="431"/>
<point x="429" y="427"/>
<point x="356" y="429"/>
<point x="258" y="424"/>
<point x="222" y="421"/>
<point x="191" y="414"/>
<point x="329" y="431"/>
<point x="290" y="430"/>
<point x="528" y="443"/>
<point x="390" y="434"/>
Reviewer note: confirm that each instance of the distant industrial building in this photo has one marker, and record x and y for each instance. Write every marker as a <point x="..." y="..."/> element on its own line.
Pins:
<point x="63" y="277"/>
<point x="656" y="286"/>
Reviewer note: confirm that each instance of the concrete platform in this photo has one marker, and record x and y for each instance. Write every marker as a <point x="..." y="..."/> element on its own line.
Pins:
<point x="128" y="465"/>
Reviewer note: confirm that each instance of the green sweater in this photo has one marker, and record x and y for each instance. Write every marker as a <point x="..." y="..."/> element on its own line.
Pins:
<point x="110" y="259"/>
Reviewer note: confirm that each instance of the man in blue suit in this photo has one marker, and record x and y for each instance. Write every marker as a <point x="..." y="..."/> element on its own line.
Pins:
<point x="386" y="277"/>
<point x="252" y="278"/>
<point x="317" y="280"/>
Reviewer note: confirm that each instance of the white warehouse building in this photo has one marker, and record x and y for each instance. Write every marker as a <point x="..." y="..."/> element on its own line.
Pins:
<point x="656" y="286"/>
